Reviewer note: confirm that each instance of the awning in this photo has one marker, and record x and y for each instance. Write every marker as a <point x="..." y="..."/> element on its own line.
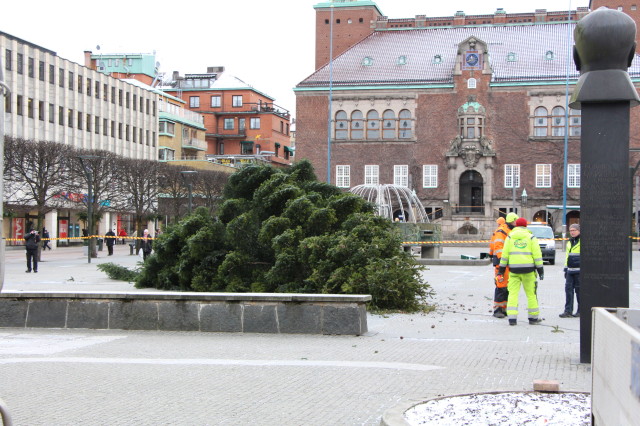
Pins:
<point x="287" y="149"/>
<point x="554" y="207"/>
<point x="250" y="142"/>
<point x="277" y="145"/>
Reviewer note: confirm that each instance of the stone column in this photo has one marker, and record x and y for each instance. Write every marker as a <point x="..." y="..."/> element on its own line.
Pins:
<point x="604" y="48"/>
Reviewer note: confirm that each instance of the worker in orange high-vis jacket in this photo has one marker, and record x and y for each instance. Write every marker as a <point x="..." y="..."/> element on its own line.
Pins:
<point x="499" y="221"/>
<point x="501" y="293"/>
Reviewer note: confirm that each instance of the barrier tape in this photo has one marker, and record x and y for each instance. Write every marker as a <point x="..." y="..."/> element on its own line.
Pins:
<point x="83" y="238"/>
<point x="481" y="241"/>
<point x="151" y="238"/>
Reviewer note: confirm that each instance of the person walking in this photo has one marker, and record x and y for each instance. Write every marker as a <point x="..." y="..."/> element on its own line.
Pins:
<point x="31" y="244"/>
<point x="111" y="240"/>
<point x="572" y="273"/>
<point x="122" y="234"/>
<point x="523" y="256"/>
<point x="45" y="238"/>
<point x="501" y="292"/>
<point x="146" y="244"/>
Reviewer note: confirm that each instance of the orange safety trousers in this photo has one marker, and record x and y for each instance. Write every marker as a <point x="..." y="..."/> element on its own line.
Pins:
<point x="501" y="294"/>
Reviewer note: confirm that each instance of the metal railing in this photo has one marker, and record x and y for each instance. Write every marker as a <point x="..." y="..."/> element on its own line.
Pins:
<point x="475" y="210"/>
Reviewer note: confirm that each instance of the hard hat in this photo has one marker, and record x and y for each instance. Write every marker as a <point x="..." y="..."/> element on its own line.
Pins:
<point x="511" y="217"/>
<point x="500" y="220"/>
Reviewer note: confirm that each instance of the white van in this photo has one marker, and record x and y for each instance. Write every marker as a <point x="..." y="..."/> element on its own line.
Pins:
<point x="544" y="234"/>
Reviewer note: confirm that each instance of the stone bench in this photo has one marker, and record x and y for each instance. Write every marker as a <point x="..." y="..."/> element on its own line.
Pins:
<point x="187" y="311"/>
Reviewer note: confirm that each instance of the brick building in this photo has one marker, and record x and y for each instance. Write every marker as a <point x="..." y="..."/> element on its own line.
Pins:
<point x="468" y="111"/>
<point x="242" y="123"/>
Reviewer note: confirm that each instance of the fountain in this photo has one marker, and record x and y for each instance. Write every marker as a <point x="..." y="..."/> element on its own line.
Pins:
<point x="402" y="206"/>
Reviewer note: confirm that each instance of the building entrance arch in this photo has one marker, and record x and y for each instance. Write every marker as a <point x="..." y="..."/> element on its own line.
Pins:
<point x="471" y="192"/>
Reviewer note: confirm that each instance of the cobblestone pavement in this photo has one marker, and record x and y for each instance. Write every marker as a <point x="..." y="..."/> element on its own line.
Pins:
<point x="62" y="377"/>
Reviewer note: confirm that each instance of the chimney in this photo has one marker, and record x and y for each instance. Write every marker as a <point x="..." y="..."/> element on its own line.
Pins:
<point x="458" y="19"/>
<point x="176" y="76"/>
<point x="87" y="60"/>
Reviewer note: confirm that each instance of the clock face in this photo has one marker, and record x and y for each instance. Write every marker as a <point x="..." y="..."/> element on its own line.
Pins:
<point x="472" y="59"/>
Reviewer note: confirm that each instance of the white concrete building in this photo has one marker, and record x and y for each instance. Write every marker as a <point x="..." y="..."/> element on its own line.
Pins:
<point x="58" y="100"/>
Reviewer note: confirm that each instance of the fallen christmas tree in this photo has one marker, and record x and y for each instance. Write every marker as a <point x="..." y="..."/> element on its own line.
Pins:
<point x="280" y="230"/>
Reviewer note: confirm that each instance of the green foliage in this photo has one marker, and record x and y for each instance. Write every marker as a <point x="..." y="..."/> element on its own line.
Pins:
<point x="282" y="231"/>
<point x="117" y="272"/>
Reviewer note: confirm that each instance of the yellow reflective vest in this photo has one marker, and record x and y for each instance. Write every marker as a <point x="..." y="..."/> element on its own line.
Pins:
<point x="572" y="261"/>
<point x="521" y="252"/>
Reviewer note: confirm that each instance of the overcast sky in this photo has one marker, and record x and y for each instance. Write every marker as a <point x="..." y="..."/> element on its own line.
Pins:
<point x="268" y="44"/>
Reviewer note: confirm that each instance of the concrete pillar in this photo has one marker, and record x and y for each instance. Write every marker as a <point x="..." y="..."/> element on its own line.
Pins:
<point x="51" y="223"/>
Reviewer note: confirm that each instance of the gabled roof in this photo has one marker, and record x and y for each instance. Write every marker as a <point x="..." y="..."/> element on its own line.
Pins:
<point x="529" y="43"/>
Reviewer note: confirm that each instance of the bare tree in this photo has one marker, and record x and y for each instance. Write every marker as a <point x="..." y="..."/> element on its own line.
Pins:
<point x="172" y="194"/>
<point x="209" y="186"/>
<point x="36" y="174"/>
<point x="139" y="180"/>
<point x="100" y="168"/>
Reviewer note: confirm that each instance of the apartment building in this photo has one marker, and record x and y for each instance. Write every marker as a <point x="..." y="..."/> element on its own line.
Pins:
<point x="243" y="124"/>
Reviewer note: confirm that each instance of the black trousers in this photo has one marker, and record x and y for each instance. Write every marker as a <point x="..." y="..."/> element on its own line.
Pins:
<point x="571" y="287"/>
<point x="110" y="248"/>
<point x="32" y="255"/>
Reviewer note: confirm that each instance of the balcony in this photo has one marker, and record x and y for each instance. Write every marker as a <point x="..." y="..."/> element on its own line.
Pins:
<point x="192" y="143"/>
<point x="177" y="111"/>
<point x="270" y="107"/>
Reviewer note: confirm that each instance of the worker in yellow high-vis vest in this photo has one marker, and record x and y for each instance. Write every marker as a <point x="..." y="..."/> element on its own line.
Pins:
<point x="523" y="256"/>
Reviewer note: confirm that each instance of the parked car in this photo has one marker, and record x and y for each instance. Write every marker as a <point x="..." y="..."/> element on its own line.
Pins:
<point x="544" y="234"/>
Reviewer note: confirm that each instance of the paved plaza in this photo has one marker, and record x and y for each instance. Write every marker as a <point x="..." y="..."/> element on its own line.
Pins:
<point x="87" y="377"/>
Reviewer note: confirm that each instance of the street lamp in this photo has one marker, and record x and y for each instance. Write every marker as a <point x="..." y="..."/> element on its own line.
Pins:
<point x="87" y="172"/>
<point x="187" y="177"/>
<point x="524" y="201"/>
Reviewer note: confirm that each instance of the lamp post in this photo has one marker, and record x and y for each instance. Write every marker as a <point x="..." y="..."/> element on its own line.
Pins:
<point x="524" y="202"/>
<point x="187" y="177"/>
<point x="87" y="172"/>
<point x="329" y="117"/>
<point x="513" y="188"/>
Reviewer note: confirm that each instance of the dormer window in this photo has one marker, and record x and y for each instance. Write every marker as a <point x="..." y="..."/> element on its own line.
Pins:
<point x="402" y="60"/>
<point x="549" y="55"/>
<point x="367" y="61"/>
<point x="437" y="59"/>
<point x="512" y="57"/>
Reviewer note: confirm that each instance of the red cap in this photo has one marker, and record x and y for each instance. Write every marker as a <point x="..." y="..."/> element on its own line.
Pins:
<point x="521" y="222"/>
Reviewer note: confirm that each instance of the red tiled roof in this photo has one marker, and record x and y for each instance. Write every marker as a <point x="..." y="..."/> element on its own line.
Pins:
<point x="530" y="43"/>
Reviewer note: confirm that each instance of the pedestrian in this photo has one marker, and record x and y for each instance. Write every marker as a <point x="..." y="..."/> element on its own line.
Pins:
<point x="45" y="238"/>
<point x="523" y="256"/>
<point x="501" y="292"/>
<point x="111" y="240"/>
<point x="31" y="244"/>
<point x="146" y="244"/>
<point x="122" y="234"/>
<point x="572" y="273"/>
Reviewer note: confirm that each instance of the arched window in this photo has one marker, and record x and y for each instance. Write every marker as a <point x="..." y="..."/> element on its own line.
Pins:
<point x="357" y="125"/>
<point x="373" y="125"/>
<point x="557" y="121"/>
<point x="342" y="125"/>
<point x="389" y="124"/>
<point x="540" y="125"/>
<point x="406" y="126"/>
<point x="575" y="122"/>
